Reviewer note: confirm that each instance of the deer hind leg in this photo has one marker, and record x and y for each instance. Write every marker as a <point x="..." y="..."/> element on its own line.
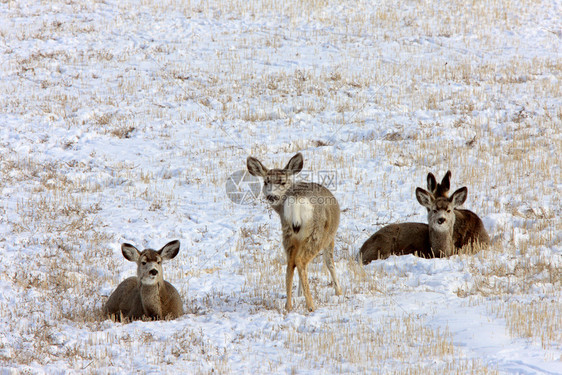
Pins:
<point x="289" y="285"/>
<point x="329" y="260"/>
<point x="303" y="276"/>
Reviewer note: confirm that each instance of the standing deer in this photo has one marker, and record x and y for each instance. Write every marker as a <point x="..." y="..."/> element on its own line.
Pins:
<point x="147" y="295"/>
<point x="409" y="238"/>
<point x="309" y="215"/>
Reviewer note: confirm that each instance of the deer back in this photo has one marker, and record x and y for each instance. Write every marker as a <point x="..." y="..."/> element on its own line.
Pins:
<point x="469" y="229"/>
<point x="397" y="239"/>
<point x="310" y="208"/>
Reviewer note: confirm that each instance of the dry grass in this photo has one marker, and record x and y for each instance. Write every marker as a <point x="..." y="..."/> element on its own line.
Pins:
<point x="403" y="345"/>
<point x="537" y="319"/>
<point x="392" y="86"/>
<point x="60" y="283"/>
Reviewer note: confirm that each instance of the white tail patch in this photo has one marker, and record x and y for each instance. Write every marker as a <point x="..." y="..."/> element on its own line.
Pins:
<point x="298" y="211"/>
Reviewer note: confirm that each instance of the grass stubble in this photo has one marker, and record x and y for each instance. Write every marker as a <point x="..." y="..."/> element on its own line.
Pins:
<point x="58" y="216"/>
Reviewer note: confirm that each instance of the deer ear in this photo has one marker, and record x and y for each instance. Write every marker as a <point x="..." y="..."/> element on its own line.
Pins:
<point x="295" y="164"/>
<point x="446" y="182"/>
<point x="170" y="250"/>
<point x="459" y="197"/>
<point x="431" y="182"/>
<point x="424" y="197"/>
<point x="255" y="167"/>
<point x="130" y="252"/>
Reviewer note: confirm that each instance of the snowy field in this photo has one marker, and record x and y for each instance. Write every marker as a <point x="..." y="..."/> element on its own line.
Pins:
<point x="121" y="121"/>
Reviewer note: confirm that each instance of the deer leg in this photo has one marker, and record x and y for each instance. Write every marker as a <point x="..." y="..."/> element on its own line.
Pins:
<point x="329" y="260"/>
<point x="303" y="276"/>
<point x="289" y="277"/>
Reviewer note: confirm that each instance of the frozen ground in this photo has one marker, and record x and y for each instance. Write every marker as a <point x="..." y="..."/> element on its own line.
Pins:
<point x="122" y="121"/>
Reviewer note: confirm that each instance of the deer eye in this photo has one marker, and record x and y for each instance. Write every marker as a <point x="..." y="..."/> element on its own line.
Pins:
<point x="448" y="211"/>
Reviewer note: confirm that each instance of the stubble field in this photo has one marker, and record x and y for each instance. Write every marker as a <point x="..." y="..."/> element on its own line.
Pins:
<point x="122" y="121"/>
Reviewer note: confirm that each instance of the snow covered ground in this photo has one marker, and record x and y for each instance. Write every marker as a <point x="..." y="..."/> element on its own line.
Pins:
<point x="121" y="121"/>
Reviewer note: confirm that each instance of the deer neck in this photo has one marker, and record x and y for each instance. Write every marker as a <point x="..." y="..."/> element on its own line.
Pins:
<point x="442" y="242"/>
<point x="151" y="302"/>
<point x="278" y="206"/>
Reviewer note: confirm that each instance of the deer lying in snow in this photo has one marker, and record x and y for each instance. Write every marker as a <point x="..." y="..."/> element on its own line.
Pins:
<point x="147" y="295"/>
<point x="449" y="229"/>
<point x="309" y="215"/>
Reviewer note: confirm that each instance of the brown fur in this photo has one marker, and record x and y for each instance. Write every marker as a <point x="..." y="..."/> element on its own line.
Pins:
<point x="415" y="238"/>
<point x="403" y="238"/>
<point x="397" y="239"/>
<point x="309" y="215"/>
<point x="451" y="229"/>
<point x="469" y="230"/>
<point x="133" y="299"/>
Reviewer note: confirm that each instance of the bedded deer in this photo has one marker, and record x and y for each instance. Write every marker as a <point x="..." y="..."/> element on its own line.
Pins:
<point x="443" y="214"/>
<point x="409" y="238"/>
<point x="147" y="295"/>
<point x="403" y="238"/>
<point x="309" y="215"/>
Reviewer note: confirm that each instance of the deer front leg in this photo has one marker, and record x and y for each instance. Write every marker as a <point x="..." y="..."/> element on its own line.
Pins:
<point x="291" y="249"/>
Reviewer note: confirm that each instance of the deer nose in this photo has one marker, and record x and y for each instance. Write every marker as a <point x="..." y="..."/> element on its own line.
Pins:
<point x="440" y="220"/>
<point x="153" y="272"/>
